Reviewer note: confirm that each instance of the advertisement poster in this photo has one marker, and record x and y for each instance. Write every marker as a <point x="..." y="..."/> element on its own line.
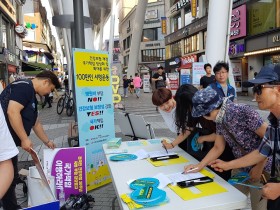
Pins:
<point x="95" y="111"/>
<point x="237" y="75"/>
<point x="173" y="82"/>
<point x="185" y="76"/>
<point x="198" y="72"/>
<point x="68" y="166"/>
<point x="146" y="84"/>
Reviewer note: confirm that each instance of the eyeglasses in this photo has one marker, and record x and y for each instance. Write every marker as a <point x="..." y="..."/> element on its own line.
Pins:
<point x="221" y="72"/>
<point x="258" y="88"/>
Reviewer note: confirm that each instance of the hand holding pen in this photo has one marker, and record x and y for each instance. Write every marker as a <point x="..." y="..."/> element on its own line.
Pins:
<point x="166" y="145"/>
<point x="163" y="145"/>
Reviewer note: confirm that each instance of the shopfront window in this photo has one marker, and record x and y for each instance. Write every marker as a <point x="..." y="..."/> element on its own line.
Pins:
<point x="175" y="49"/>
<point x="149" y="34"/>
<point x="5" y="33"/>
<point x="272" y="59"/>
<point x="153" y="55"/>
<point x="262" y="16"/>
<point x="176" y="23"/>
<point x="191" y="44"/>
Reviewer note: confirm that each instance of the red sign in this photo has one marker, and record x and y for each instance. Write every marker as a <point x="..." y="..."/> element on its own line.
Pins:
<point x="186" y="61"/>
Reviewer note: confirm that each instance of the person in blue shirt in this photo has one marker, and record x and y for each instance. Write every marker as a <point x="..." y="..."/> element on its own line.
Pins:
<point x="221" y="86"/>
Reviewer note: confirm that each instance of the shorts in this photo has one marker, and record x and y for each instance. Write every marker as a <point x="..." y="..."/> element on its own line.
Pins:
<point x="8" y="147"/>
<point x="131" y="86"/>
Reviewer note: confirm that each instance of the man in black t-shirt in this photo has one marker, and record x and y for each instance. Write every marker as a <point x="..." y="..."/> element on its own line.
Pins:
<point x="19" y="104"/>
<point x="208" y="78"/>
<point x="159" y="78"/>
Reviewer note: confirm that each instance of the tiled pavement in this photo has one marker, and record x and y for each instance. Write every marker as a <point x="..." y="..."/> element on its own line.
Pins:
<point x="56" y="127"/>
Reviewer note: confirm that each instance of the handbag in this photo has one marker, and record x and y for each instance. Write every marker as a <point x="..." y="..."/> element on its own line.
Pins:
<point x="274" y="204"/>
<point x="192" y="147"/>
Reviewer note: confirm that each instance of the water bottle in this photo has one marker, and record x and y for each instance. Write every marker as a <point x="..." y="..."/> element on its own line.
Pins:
<point x="61" y="197"/>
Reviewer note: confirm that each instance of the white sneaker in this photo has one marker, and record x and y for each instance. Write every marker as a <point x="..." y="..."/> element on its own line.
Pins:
<point x="125" y="96"/>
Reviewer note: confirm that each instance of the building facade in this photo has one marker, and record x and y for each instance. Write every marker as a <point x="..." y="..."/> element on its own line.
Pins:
<point x="152" y="47"/>
<point x="12" y="32"/>
<point x="39" y="44"/>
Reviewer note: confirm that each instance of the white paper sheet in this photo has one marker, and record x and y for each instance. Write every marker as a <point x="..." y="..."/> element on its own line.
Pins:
<point x="141" y="154"/>
<point x="160" y="153"/>
<point x="163" y="180"/>
<point x="179" y="177"/>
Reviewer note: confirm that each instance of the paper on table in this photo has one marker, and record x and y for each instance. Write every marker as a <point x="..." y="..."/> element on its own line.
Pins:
<point x="115" y="151"/>
<point x="160" y="153"/>
<point x="179" y="177"/>
<point x="141" y="154"/>
<point x="163" y="180"/>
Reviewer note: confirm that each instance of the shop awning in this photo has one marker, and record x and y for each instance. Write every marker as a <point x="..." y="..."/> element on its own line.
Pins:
<point x="29" y="66"/>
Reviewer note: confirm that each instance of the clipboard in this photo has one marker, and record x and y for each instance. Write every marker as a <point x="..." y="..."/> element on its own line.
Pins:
<point x="167" y="157"/>
<point x="194" y="182"/>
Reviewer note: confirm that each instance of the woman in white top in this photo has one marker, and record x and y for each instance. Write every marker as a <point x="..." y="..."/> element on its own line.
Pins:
<point x="8" y="150"/>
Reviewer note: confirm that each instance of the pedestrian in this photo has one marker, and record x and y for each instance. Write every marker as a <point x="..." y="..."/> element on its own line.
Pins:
<point x="131" y="85"/>
<point x="266" y="88"/>
<point x="125" y="85"/>
<point x="66" y="84"/>
<point x="241" y="127"/>
<point x="19" y="105"/>
<point x="177" y="116"/>
<point x="137" y="81"/>
<point x="47" y="100"/>
<point x="222" y="87"/>
<point x="8" y="150"/>
<point x="208" y="78"/>
<point x="159" y="78"/>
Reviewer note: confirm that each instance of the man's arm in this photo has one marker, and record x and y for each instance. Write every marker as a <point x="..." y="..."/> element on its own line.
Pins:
<point x="15" y="119"/>
<point x="39" y="131"/>
<point x="213" y="154"/>
<point x="245" y="161"/>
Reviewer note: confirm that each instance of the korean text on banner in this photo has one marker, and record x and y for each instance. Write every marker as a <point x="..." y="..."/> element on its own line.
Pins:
<point x="95" y="111"/>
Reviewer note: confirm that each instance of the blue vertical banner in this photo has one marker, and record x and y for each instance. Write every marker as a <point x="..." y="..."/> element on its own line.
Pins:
<point x="95" y="111"/>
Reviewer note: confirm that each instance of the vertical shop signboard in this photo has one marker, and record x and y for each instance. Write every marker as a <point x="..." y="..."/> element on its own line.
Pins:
<point x="146" y="83"/>
<point x="185" y="77"/>
<point x="197" y="72"/>
<point x="95" y="111"/>
<point x="173" y="82"/>
<point x="237" y="74"/>
<point x="68" y="166"/>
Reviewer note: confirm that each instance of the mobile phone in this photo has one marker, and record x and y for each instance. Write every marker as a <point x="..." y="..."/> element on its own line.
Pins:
<point x="166" y="157"/>
<point x="194" y="182"/>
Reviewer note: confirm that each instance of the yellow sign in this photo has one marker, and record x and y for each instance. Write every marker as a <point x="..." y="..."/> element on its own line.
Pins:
<point x="163" y="25"/>
<point x="193" y="8"/>
<point x="115" y="86"/>
<point x="92" y="69"/>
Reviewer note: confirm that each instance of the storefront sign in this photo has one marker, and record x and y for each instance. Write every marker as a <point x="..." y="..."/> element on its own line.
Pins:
<point x="68" y="166"/>
<point x="238" y="22"/>
<point x="194" y="7"/>
<point x="186" y="61"/>
<point x="146" y="83"/>
<point x="188" y="30"/>
<point x="185" y="77"/>
<point x="236" y="48"/>
<point x="95" y="111"/>
<point x="19" y="29"/>
<point x="163" y="25"/>
<point x="276" y="38"/>
<point x="182" y="3"/>
<point x="151" y="14"/>
<point x="173" y="63"/>
<point x="197" y="72"/>
<point x="173" y="82"/>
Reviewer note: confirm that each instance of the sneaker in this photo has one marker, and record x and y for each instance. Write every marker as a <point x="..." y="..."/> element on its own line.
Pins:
<point x="126" y="96"/>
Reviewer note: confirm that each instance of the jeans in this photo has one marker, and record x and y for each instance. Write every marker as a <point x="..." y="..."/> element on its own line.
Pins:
<point x="137" y="91"/>
<point x="125" y="91"/>
<point x="9" y="200"/>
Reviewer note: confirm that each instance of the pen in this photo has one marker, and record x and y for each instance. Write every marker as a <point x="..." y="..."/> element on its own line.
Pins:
<point x="164" y="148"/>
<point x="189" y="170"/>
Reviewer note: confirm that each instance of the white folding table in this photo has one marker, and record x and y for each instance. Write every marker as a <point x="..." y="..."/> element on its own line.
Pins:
<point x="124" y="171"/>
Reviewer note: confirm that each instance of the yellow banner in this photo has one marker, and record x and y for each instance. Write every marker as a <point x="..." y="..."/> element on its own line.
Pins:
<point x="193" y="8"/>
<point x="163" y="25"/>
<point x="92" y="68"/>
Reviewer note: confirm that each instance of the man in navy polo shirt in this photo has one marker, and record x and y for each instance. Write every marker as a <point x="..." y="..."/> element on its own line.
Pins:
<point x="222" y="87"/>
<point x="19" y="104"/>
